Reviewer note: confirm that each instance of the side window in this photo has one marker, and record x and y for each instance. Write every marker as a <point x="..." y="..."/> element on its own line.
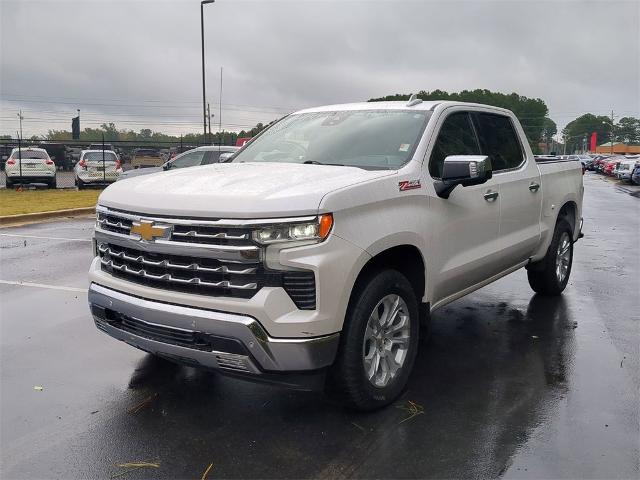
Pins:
<point x="188" y="160"/>
<point x="213" y="156"/>
<point x="499" y="141"/>
<point x="456" y="137"/>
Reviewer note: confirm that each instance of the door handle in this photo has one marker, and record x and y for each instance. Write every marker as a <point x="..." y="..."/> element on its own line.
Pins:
<point x="490" y="196"/>
<point x="533" y="186"/>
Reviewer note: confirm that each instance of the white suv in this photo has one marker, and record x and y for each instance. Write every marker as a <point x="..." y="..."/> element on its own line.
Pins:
<point x="97" y="167"/>
<point x="30" y="165"/>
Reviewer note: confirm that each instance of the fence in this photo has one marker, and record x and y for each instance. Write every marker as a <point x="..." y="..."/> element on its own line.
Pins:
<point x="66" y="156"/>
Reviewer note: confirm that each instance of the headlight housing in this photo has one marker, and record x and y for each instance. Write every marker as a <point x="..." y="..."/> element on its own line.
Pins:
<point x="311" y="231"/>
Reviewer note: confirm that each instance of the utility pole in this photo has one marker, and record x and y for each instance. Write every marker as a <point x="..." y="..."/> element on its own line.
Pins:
<point x="220" y="111"/>
<point x="21" y="118"/>
<point x="20" y="144"/>
<point x="209" y="117"/>
<point x="611" y="132"/>
<point x="204" y="92"/>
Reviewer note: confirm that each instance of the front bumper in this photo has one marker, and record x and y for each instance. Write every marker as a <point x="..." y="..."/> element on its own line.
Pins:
<point x="232" y="343"/>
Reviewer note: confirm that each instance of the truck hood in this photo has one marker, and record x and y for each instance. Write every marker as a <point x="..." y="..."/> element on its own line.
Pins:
<point x="235" y="190"/>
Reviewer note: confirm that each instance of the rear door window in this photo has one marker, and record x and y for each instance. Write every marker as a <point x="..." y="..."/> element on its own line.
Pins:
<point x="30" y="154"/>
<point x="498" y="140"/>
<point x="456" y="137"/>
<point x="98" y="156"/>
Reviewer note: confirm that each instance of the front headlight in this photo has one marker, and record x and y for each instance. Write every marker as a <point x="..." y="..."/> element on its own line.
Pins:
<point x="313" y="231"/>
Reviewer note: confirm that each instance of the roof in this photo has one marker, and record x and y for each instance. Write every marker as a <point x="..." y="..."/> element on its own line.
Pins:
<point x="401" y="105"/>
<point x="371" y="106"/>
<point x="608" y="144"/>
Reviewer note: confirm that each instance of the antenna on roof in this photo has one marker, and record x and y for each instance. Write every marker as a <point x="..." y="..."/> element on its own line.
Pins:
<point x="413" y="100"/>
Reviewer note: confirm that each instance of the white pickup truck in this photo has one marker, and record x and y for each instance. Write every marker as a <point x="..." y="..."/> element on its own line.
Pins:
<point x="315" y="256"/>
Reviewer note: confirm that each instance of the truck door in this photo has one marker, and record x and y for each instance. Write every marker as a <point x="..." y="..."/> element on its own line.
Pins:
<point x="464" y="227"/>
<point x="520" y="191"/>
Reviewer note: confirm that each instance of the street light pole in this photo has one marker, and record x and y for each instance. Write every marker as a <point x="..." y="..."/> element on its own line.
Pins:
<point x="204" y="92"/>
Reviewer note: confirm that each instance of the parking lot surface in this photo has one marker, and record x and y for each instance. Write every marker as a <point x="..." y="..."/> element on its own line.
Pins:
<point x="511" y="384"/>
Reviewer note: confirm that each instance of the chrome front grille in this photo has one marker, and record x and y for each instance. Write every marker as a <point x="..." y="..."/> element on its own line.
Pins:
<point x="207" y="257"/>
<point x="182" y="273"/>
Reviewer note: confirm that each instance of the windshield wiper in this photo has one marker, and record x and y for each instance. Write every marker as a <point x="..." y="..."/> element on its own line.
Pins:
<point x="315" y="162"/>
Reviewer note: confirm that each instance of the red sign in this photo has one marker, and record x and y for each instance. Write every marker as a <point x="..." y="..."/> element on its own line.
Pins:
<point x="241" y="141"/>
<point x="593" y="142"/>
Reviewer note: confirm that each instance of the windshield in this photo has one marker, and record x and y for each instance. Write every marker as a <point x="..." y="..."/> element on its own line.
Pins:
<point x="370" y="139"/>
<point x="108" y="156"/>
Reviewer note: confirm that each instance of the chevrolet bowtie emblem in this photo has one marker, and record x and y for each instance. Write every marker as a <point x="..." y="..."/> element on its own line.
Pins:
<point x="147" y="230"/>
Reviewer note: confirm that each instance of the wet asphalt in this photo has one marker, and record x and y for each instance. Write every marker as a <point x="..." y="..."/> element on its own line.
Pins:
<point x="510" y="385"/>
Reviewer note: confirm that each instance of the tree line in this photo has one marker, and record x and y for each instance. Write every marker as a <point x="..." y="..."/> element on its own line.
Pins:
<point x="146" y="135"/>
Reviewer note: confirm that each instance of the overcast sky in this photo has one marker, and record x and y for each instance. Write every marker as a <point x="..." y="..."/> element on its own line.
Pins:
<point x="137" y="63"/>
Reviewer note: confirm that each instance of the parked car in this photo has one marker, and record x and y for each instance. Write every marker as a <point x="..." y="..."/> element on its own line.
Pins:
<point x="625" y="168"/>
<point x="635" y="175"/>
<point x="191" y="158"/>
<point x="146" y="157"/>
<point x="611" y="164"/>
<point x="601" y="163"/>
<point x="312" y="257"/>
<point x="30" y="165"/>
<point x="596" y="160"/>
<point x="97" y="167"/>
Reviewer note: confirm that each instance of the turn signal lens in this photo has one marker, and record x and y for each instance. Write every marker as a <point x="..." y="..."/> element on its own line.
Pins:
<point x="326" y="222"/>
<point x="11" y="161"/>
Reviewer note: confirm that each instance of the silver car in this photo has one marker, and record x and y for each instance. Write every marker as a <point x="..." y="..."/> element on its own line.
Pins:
<point x="191" y="158"/>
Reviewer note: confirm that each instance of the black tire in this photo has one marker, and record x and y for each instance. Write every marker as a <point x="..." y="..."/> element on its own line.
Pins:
<point x="544" y="277"/>
<point x="9" y="184"/>
<point x="80" y="184"/>
<point x="53" y="183"/>
<point x="347" y="380"/>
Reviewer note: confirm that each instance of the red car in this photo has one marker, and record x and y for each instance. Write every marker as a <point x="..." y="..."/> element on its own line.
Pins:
<point x="610" y="165"/>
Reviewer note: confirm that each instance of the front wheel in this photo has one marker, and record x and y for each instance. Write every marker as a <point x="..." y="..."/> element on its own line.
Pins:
<point x="378" y="344"/>
<point x="550" y="275"/>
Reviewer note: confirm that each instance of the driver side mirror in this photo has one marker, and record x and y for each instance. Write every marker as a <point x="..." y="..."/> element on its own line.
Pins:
<point x="465" y="170"/>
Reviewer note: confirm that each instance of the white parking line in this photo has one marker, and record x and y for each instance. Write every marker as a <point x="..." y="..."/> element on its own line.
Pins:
<point x="44" y="238"/>
<point x="42" y="285"/>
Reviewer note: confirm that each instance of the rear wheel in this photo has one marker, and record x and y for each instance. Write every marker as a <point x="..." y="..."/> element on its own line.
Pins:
<point x="550" y="275"/>
<point x="9" y="183"/>
<point x="53" y="183"/>
<point x="79" y="183"/>
<point x="378" y="344"/>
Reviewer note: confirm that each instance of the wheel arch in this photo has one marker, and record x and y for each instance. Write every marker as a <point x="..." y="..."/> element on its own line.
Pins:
<point x="569" y="211"/>
<point x="405" y="258"/>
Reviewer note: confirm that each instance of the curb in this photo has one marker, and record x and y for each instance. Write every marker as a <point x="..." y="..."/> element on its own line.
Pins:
<point x="41" y="216"/>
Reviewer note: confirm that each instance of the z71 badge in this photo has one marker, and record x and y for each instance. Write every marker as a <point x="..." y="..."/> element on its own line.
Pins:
<point x="409" y="185"/>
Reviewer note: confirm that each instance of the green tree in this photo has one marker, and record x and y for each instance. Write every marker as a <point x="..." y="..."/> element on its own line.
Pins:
<point x="549" y="129"/>
<point x="628" y="130"/>
<point x="575" y="131"/>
